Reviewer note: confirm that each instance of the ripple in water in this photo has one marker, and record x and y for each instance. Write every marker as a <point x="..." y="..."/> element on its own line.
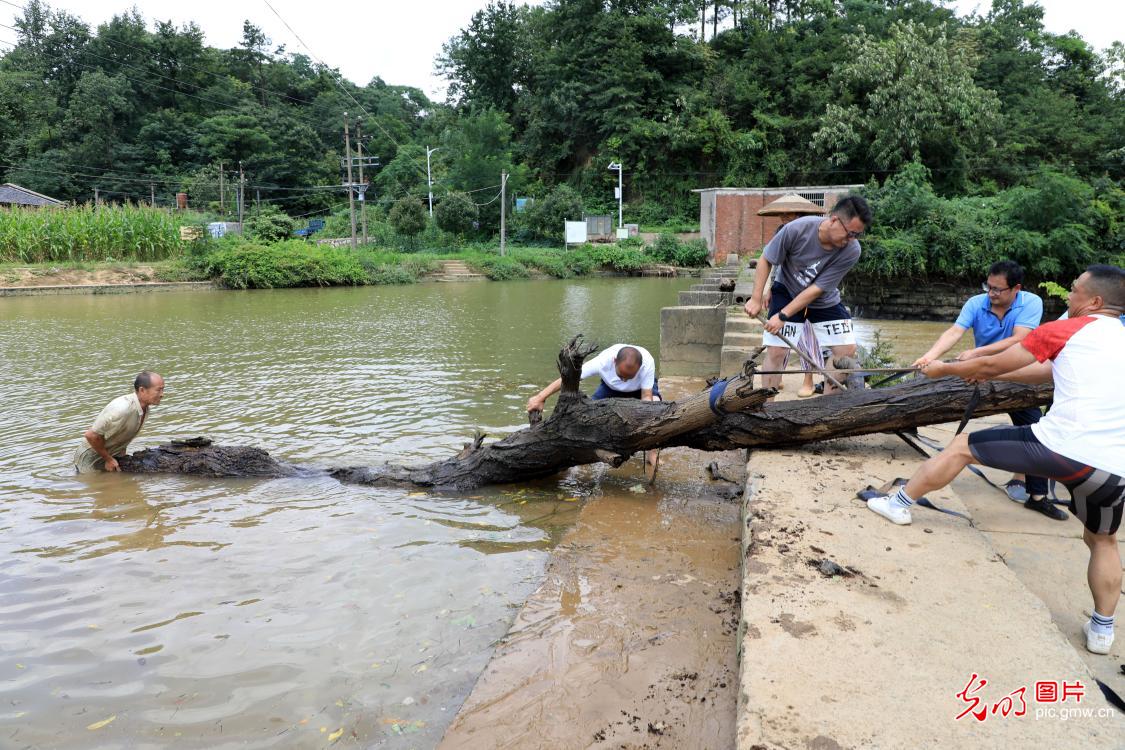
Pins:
<point x="141" y="612"/>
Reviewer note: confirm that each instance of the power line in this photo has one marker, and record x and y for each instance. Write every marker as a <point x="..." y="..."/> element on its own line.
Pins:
<point x="335" y="79"/>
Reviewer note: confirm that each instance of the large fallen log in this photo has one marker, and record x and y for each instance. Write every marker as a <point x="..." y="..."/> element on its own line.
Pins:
<point x="732" y="414"/>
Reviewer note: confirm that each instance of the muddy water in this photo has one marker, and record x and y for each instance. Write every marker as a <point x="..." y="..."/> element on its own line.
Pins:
<point x="909" y="339"/>
<point x="143" y="612"/>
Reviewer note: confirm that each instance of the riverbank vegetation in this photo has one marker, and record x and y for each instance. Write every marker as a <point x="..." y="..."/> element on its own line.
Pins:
<point x="978" y="137"/>
<point x="244" y="264"/>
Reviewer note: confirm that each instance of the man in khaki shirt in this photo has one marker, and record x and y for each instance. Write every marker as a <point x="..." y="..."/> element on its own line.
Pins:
<point x="117" y="424"/>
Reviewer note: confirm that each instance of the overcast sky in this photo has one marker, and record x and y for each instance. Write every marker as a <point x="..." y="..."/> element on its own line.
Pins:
<point x="398" y="40"/>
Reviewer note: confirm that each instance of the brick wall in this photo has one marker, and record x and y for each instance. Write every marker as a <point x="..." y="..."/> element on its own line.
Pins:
<point x="737" y="226"/>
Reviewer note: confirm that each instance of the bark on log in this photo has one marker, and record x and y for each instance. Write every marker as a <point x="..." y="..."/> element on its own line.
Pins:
<point x="581" y="431"/>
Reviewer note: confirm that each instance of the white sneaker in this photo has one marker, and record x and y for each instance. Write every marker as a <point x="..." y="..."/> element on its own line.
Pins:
<point x="1096" y="643"/>
<point x="886" y="506"/>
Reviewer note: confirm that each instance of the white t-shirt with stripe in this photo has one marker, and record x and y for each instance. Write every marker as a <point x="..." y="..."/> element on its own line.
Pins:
<point x="1086" y="423"/>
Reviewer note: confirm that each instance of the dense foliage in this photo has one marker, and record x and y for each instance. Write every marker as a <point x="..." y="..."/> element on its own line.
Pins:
<point x="998" y="114"/>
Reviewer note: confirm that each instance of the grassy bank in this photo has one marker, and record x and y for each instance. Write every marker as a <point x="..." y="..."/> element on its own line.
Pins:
<point x="250" y="265"/>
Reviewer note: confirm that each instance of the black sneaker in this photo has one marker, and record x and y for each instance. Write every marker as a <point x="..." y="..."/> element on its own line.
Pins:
<point x="1050" y="510"/>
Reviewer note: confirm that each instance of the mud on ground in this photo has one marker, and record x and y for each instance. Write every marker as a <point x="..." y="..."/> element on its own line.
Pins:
<point x="631" y="642"/>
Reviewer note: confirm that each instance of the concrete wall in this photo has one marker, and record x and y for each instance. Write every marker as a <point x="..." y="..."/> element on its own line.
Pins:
<point x="691" y="340"/>
<point x="729" y="221"/>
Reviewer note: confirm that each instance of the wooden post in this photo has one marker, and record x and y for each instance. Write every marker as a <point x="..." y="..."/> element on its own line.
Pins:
<point x="351" y="188"/>
<point x="503" y="210"/>
<point x="362" y="195"/>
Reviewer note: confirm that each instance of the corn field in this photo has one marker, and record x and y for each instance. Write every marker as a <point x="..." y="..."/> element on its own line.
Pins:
<point x="86" y="233"/>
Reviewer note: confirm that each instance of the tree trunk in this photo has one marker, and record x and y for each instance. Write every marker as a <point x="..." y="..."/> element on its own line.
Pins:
<point x="581" y="431"/>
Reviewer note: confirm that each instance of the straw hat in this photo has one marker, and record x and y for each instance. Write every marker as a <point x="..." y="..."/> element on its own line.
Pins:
<point x="791" y="204"/>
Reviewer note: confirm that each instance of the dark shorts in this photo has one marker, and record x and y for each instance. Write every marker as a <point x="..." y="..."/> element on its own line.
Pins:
<point x="1096" y="495"/>
<point x="780" y="297"/>
<point x="604" y="391"/>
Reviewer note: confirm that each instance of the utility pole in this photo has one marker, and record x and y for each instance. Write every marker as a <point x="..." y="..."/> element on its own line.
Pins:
<point x="363" y="190"/>
<point x="241" y="192"/>
<point x="222" y="201"/>
<point x="95" y="197"/>
<point x="351" y="191"/>
<point x="429" y="179"/>
<point x="615" y="165"/>
<point x="503" y="209"/>
<point x="257" y="201"/>
<point x="151" y="195"/>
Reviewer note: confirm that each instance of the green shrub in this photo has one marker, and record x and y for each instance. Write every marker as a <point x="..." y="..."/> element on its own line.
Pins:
<point x="499" y="268"/>
<point x="544" y="218"/>
<point x="456" y="214"/>
<point x="269" y="224"/>
<point x="665" y="248"/>
<point x="692" y="254"/>
<point x="408" y="217"/>
<point x="286" y="264"/>
<point x="610" y="256"/>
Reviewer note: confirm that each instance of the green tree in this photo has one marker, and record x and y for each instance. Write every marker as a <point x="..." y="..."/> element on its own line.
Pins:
<point x="907" y="98"/>
<point x="456" y="213"/>
<point x="545" y="217"/>
<point x="408" y="217"/>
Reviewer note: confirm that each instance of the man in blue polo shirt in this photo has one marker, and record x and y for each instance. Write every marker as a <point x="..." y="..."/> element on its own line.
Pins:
<point x="1001" y="317"/>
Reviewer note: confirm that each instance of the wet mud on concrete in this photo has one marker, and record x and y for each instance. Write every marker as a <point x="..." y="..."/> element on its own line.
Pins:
<point x="631" y="642"/>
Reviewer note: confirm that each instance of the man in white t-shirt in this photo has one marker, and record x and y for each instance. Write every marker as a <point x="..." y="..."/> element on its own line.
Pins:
<point x="626" y="371"/>
<point x="1080" y="442"/>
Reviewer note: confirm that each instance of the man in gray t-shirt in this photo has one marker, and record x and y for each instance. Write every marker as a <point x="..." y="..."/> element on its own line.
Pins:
<point x="812" y="255"/>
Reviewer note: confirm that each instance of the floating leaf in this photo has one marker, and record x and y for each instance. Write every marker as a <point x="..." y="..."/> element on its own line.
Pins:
<point x="336" y="735"/>
<point x="102" y="723"/>
<point x="421" y="668"/>
<point x="467" y="621"/>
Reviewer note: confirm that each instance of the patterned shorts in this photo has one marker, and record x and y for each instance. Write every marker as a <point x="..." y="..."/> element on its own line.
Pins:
<point x="1096" y="495"/>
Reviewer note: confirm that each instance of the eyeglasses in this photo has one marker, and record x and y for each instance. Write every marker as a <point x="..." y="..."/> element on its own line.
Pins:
<point x="993" y="289"/>
<point x="850" y="234"/>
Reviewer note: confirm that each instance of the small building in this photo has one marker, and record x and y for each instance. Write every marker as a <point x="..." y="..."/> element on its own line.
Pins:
<point x="14" y="195"/>
<point x="729" y="219"/>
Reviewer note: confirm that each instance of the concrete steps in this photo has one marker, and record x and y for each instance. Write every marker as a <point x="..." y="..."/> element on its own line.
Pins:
<point x="455" y="270"/>
<point x="741" y="336"/>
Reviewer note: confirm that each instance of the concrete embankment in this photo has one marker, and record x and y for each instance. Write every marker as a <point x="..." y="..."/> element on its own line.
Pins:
<point x="631" y="641"/>
<point x="876" y="657"/>
<point x="148" y="286"/>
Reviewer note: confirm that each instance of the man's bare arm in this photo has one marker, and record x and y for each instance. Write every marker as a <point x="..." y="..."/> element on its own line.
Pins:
<point x="97" y="442"/>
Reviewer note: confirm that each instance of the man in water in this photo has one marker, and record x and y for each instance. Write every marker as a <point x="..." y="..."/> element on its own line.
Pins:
<point x="812" y="255"/>
<point x="117" y="424"/>
<point x="626" y="371"/>
<point x="1080" y="442"/>
<point x="1000" y="317"/>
